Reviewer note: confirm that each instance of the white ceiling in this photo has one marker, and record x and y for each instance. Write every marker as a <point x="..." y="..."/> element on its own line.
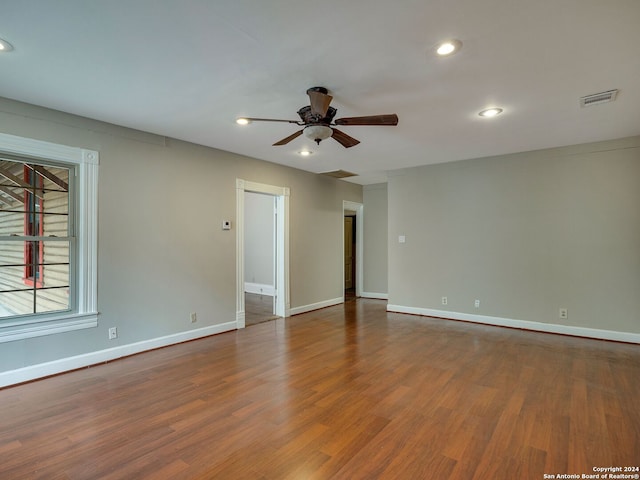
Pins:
<point x="188" y="68"/>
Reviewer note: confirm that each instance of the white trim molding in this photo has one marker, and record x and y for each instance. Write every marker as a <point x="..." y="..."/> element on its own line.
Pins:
<point x="240" y="320"/>
<point x="41" y="370"/>
<point x="521" y="324"/>
<point x="316" y="306"/>
<point x="47" y="150"/>
<point x="63" y="323"/>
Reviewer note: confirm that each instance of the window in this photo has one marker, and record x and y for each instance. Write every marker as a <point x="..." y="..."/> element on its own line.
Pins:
<point x="34" y="243"/>
<point x="48" y="251"/>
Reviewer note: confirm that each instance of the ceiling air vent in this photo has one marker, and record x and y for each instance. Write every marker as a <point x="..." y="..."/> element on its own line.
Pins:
<point x="339" y="174"/>
<point x="598" y="98"/>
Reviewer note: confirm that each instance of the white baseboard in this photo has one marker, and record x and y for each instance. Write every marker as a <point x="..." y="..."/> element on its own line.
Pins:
<point x="55" y="367"/>
<point x="521" y="324"/>
<point x="259" y="288"/>
<point x="381" y="296"/>
<point x="316" y="306"/>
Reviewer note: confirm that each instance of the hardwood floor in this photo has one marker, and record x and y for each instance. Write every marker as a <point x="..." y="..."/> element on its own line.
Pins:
<point x="258" y="309"/>
<point x="347" y="392"/>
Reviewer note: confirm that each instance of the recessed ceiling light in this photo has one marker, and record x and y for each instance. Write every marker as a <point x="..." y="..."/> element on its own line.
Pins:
<point x="490" y="112"/>
<point x="243" y="121"/>
<point x="305" y="153"/>
<point x="448" y="47"/>
<point x="5" y="46"/>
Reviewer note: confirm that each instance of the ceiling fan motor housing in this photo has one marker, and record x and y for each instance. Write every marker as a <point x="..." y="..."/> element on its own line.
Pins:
<point x="309" y="118"/>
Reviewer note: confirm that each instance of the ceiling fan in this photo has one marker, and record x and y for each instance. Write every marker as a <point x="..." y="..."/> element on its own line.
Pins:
<point x="318" y="123"/>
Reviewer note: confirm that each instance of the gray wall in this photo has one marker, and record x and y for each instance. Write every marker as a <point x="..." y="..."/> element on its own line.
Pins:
<point x="258" y="238"/>
<point x="375" y="239"/>
<point x="161" y="250"/>
<point x="525" y="234"/>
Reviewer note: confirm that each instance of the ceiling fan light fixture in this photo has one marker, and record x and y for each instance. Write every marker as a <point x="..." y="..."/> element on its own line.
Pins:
<point x="317" y="133"/>
<point x="243" y="121"/>
<point x="448" y="47"/>
<point x="305" y="153"/>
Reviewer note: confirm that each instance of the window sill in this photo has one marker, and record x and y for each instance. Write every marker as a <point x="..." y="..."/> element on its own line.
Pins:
<point x="19" y="330"/>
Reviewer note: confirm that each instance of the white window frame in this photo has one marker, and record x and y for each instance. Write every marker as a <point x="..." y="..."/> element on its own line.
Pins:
<point x="84" y="313"/>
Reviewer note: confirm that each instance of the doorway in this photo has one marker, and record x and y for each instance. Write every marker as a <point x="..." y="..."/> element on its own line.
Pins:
<point x="352" y="249"/>
<point x="277" y="303"/>
<point x="259" y="257"/>
<point x="350" y="236"/>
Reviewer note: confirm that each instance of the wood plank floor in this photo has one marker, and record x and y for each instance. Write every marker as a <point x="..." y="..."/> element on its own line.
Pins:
<point x="258" y="309"/>
<point x="347" y="392"/>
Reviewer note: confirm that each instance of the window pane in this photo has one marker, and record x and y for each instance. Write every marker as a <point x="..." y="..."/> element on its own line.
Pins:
<point x="52" y="300"/>
<point x="11" y="253"/>
<point x="54" y="224"/>
<point x="34" y="199"/>
<point x="54" y="275"/>
<point x="16" y="303"/>
<point x="22" y="303"/>
<point x="34" y="269"/>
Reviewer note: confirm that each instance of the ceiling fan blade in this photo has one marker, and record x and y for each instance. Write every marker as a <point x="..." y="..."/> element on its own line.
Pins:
<point x="319" y="102"/>
<point x="284" y="141"/>
<point x="391" y="119"/>
<point x="252" y="119"/>
<point x="345" y="140"/>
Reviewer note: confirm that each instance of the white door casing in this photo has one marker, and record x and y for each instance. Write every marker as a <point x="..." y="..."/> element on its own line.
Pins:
<point x="281" y="194"/>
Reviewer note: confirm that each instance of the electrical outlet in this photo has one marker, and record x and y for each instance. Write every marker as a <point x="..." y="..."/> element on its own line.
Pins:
<point x="444" y="300"/>
<point x="477" y="304"/>
<point x="563" y="313"/>
<point x="113" y="333"/>
<point x="194" y="317"/>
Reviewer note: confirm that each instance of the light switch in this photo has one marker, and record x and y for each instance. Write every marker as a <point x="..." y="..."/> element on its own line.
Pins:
<point x="402" y="239"/>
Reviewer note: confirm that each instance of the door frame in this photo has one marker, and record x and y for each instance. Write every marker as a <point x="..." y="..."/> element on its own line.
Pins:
<point x="359" y="209"/>
<point x="281" y="194"/>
